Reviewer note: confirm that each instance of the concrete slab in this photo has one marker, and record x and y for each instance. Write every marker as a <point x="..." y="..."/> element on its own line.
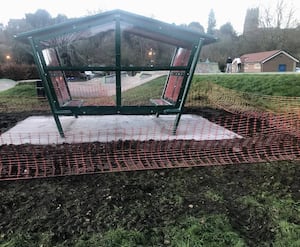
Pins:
<point x="43" y="130"/>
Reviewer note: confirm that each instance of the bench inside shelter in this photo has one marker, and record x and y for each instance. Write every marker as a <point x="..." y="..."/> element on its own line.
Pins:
<point x="174" y="82"/>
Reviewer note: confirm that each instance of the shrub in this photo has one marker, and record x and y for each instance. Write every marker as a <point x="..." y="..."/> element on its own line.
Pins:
<point x="18" y="71"/>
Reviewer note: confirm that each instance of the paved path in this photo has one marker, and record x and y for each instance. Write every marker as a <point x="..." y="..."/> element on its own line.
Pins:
<point x="6" y="84"/>
<point x="97" y="87"/>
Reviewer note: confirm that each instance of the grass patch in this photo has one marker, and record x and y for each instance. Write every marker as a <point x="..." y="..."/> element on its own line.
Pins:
<point x="22" y="97"/>
<point x="264" y="84"/>
<point x="276" y="217"/>
<point x="142" y="94"/>
<point x="236" y="205"/>
<point x="246" y="92"/>
<point x="241" y="92"/>
<point x="114" y="238"/>
<point x="209" y="230"/>
<point x="20" y="90"/>
<point x="288" y="234"/>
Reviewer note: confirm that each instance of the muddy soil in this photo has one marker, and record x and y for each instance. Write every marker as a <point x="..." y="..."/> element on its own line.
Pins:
<point x="69" y="208"/>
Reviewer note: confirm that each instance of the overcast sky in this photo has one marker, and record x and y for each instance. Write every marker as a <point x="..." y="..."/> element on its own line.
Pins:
<point x="171" y="11"/>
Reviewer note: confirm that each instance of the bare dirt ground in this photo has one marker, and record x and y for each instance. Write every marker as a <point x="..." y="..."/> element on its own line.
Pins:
<point x="63" y="210"/>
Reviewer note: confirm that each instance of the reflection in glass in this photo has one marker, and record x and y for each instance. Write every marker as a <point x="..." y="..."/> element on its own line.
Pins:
<point x="91" y="47"/>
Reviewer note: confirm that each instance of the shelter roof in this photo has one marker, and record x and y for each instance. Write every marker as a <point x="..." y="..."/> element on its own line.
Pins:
<point x="137" y="24"/>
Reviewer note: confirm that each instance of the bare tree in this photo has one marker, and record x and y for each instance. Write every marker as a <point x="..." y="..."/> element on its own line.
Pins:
<point x="282" y="17"/>
<point x="276" y="25"/>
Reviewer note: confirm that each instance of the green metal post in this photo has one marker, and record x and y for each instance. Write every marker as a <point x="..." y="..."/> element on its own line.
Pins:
<point x="43" y="76"/>
<point x="187" y="85"/>
<point x="118" y="63"/>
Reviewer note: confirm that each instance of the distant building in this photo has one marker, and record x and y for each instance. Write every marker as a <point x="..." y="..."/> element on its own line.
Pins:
<point x="269" y="61"/>
<point x="207" y="67"/>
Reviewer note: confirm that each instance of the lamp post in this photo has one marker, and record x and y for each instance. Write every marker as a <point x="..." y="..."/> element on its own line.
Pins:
<point x="151" y="55"/>
<point x="8" y="58"/>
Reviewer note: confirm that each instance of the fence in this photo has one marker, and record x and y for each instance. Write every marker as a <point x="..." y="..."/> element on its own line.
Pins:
<point x="234" y="128"/>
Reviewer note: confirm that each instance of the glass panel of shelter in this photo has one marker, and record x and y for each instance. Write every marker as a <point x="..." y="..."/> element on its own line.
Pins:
<point x="151" y="52"/>
<point x="74" y="53"/>
<point x="142" y="56"/>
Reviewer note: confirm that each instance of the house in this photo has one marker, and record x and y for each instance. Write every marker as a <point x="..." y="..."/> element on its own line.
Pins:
<point x="269" y="61"/>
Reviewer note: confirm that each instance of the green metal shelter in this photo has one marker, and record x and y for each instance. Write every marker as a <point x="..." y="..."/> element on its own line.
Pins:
<point x="116" y="62"/>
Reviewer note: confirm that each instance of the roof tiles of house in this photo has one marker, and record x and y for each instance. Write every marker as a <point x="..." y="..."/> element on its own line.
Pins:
<point x="258" y="57"/>
<point x="261" y="57"/>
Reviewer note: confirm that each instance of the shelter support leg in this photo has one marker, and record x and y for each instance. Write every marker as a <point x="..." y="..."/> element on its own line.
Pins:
<point x="59" y="126"/>
<point x="176" y="123"/>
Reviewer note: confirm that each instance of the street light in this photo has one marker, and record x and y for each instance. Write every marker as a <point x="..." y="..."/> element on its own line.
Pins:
<point x="151" y="55"/>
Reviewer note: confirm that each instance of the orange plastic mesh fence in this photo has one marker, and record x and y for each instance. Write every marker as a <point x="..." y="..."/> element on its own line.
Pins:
<point x="36" y="161"/>
<point x="267" y="129"/>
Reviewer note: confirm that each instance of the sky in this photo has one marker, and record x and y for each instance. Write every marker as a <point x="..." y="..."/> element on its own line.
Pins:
<point x="170" y="11"/>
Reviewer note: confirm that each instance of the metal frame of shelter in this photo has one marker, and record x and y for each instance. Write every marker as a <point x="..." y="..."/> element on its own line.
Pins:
<point x="47" y="45"/>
